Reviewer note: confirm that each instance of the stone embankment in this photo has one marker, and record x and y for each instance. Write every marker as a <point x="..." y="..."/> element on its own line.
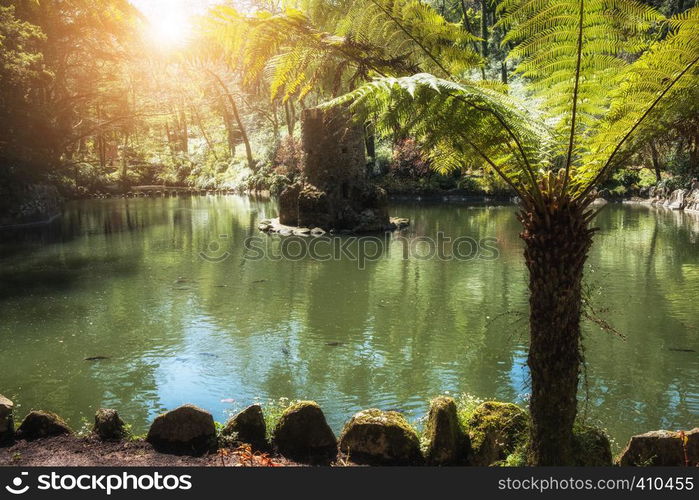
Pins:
<point x="491" y="434"/>
<point x="679" y="199"/>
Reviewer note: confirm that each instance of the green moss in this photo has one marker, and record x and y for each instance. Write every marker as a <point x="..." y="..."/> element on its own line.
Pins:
<point x="303" y="434"/>
<point x="518" y="458"/>
<point x="380" y="437"/>
<point x="496" y="430"/>
<point x="40" y="424"/>
<point x="591" y="446"/>
<point x="374" y="416"/>
<point x="444" y="441"/>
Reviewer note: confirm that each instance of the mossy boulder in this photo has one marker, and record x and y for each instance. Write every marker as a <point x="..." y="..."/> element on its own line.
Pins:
<point x="108" y="425"/>
<point x="248" y="427"/>
<point x="302" y="434"/>
<point x="378" y="437"/>
<point x="186" y="430"/>
<point x="662" y="448"/>
<point x="591" y="447"/>
<point x="42" y="424"/>
<point x="7" y="428"/>
<point x="446" y="442"/>
<point x="496" y="430"/>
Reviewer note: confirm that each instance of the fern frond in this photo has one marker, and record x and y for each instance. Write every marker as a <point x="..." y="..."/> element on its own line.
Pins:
<point x="549" y="35"/>
<point x="414" y="29"/>
<point x="666" y="74"/>
<point x="457" y="118"/>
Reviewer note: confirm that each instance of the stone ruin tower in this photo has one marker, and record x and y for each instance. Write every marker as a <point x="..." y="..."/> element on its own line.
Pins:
<point x="334" y="191"/>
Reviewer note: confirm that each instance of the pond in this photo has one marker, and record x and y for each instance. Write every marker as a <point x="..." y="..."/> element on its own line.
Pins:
<point x="186" y="301"/>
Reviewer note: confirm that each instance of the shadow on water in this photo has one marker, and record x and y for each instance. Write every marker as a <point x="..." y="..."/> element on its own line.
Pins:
<point x="55" y="275"/>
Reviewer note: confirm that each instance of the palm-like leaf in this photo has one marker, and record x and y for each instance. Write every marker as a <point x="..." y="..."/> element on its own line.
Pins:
<point x="577" y="60"/>
<point x="457" y="119"/>
<point x="413" y="29"/>
<point x="376" y="37"/>
<point x="666" y="74"/>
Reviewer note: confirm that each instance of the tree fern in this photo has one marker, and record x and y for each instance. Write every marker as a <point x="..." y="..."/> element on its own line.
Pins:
<point x="593" y="84"/>
<point x="666" y="74"/>
<point x="597" y="71"/>
<point x="412" y="28"/>
<point x="569" y="50"/>
<point x="375" y="37"/>
<point x="458" y="120"/>
<point x="294" y="56"/>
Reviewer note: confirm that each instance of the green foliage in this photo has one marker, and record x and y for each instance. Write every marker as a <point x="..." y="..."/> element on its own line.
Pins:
<point x="414" y="29"/>
<point x="292" y="54"/>
<point x="21" y="66"/>
<point x="453" y="121"/>
<point x="273" y="411"/>
<point x="660" y="79"/>
<point x="373" y="37"/>
<point x="466" y="405"/>
<point x="570" y="48"/>
<point x="568" y="54"/>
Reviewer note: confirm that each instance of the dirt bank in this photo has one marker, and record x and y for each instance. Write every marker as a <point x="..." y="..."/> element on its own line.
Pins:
<point x="72" y="451"/>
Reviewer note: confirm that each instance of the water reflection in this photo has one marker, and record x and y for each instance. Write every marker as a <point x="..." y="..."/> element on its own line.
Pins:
<point x="124" y="279"/>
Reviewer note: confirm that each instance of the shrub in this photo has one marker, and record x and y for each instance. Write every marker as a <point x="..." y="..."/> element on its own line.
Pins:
<point x="628" y="178"/>
<point x="408" y="161"/>
<point x="469" y="184"/>
<point x="288" y="158"/>
<point x="493" y="185"/>
<point x="673" y="183"/>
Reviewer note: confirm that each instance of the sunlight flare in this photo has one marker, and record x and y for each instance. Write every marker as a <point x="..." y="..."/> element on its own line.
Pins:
<point x="172" y="29"/>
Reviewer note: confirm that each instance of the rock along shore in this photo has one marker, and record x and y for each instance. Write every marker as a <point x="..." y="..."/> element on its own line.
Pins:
<point x="493" y="433"/>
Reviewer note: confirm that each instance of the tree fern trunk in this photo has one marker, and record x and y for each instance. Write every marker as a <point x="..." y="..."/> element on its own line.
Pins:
<point x="555" y="252"/>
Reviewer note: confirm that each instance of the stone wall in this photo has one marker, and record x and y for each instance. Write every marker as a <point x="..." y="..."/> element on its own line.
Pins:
<point x="334" y="191"/>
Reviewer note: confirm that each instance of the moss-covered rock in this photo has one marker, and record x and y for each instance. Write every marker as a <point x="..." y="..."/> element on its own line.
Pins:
<point x="496" y="430"/>
<point x="186" y="430"/>
<point x="108" y="425"/>
<point x="381" y="438"/>
<point x="446" y="442"/>
<point x="691" y="444"/>
<point x="302" y="434"/>
<point x="662" y="448"/>
<point x="42" y="424"/>
<point x="7" y="428"/>
<point x="248" y="427"/>
<point x="591" y="447"/>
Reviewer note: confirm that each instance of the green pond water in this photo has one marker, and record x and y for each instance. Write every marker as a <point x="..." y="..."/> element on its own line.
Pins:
<point x="177" y="295"/>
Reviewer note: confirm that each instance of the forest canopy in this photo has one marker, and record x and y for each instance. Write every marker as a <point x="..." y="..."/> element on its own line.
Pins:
<point x="103" y="96"/>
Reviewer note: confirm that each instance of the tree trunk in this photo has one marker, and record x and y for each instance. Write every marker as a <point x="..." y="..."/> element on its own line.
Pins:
<point x="197" y="116"/>
<point x="467" y="26"/>
<point x="655" y="158"/>
<point x="484" y="28"/>
<point x="555" y="253"/>
<point x="290" y="116"/>
<point x="370" y="139"/>
<point x="239" y="122"/>
<point x="503" y="72"/>
<point x="125" y="163"/>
